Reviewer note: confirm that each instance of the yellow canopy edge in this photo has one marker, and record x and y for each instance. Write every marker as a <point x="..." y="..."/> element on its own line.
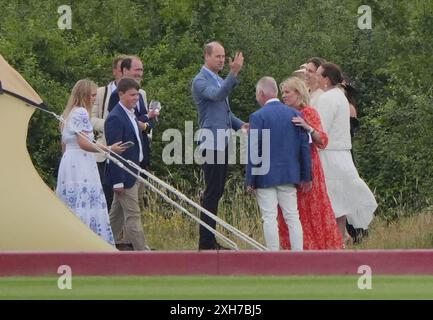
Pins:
<point x="32" y="218"/>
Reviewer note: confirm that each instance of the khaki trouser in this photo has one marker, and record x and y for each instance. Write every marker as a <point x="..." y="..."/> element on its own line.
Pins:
<point x="141" y="195"/>
<point x="125" y="218"/>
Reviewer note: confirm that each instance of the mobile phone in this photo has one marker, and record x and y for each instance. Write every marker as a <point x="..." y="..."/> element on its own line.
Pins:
<point x="127" y="144"/>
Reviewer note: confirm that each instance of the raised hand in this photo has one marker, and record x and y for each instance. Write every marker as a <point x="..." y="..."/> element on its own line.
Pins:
<point x="237" y="63"/>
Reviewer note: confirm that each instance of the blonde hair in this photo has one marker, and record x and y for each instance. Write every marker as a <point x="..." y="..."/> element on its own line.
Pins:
<point x="80" y="96"/>
<point x="300" y="87"/>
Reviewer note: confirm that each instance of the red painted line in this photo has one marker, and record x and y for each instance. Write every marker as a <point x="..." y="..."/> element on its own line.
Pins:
<point x="389" y="262"/>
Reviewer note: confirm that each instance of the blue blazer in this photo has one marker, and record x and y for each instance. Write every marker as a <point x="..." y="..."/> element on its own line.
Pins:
<point x="289" y="160"/>
<point x="118" y="127"/>
<point x="141" y="116"/>
<point x="212" y="103"/>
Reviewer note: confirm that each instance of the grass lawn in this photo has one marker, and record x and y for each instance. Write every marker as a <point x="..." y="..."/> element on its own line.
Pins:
<point x="218" y="287"/>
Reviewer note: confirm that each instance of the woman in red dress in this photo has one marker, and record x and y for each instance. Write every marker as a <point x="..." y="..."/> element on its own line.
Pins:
<point x="315" y="210"/>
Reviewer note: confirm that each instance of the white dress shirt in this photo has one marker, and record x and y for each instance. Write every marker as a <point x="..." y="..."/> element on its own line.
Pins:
<point x="314" y="97"/>
<point x="272" y="100"/>
<point x="132" y="118"/>
<point x="113" y="86"/>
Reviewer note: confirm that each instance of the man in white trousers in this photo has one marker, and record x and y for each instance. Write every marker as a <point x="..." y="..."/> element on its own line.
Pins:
<point x="278" y="159"/>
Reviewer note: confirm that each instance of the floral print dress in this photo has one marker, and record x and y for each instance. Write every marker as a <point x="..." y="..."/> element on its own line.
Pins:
<point x="317" y="217"/>
<point x="78" y="182"/>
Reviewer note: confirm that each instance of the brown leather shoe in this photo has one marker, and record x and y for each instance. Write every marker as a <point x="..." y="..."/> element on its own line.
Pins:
<point x="124" y="247"/>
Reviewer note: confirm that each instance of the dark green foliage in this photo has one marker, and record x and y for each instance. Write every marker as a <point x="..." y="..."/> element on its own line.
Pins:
<point x="389" y="64"/>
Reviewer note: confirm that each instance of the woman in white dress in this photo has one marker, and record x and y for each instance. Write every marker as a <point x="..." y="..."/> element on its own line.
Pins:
<point x="78" y="183"/>
<point x="349" y="194"/>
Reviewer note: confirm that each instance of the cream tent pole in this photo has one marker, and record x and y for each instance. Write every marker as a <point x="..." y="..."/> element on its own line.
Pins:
<point x="32" y="218"/>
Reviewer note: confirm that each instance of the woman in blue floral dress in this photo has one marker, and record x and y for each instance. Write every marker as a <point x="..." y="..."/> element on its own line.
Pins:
<point x="78" y="183"/>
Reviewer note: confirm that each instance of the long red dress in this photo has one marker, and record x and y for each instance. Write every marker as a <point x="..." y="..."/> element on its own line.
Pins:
<point x="315" y="211"/>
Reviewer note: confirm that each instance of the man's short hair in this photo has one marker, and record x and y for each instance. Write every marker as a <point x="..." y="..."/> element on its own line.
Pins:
<point x="126" y="84"/>
<point x="268" y="86"/>
<point x="127" y="62"/>
<point x="333" y="72"/>
<point x="118" y="58"/>
<point x="208" y="47"/>
<point x="316" y="61"/>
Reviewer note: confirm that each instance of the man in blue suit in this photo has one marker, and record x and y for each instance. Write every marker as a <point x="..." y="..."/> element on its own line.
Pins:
<point x="210" y="93"/>
<point x="122" y="125"/>
<point x="279" y="158"/>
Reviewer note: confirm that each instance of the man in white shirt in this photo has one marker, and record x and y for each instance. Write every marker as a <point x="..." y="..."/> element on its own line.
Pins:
<point x="98" y="116"/>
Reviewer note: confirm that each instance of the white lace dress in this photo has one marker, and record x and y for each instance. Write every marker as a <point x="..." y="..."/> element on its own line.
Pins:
<point x="78" y="182"/>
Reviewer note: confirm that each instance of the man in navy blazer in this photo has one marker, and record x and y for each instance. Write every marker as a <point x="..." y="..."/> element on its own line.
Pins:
<point x="122" y="125"/>
<point x="279" y="158"/>
<point x="132" y="67"/>
<point x="210" y="93"/>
